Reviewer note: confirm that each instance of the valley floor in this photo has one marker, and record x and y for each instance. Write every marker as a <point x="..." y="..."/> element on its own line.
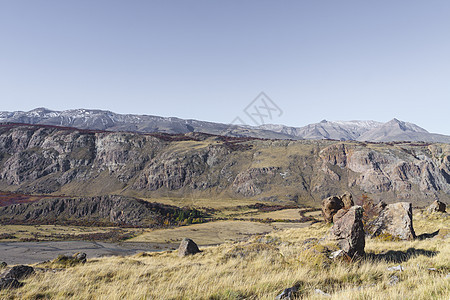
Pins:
<point x="259" y="267"/>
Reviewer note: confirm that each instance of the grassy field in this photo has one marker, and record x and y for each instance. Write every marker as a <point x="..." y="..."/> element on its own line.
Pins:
<point x="259" y="268"/>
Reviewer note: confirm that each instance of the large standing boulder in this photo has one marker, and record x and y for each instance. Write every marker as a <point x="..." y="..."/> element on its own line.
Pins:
<point x="330" y="206"/>
<point x="348" y="231"/>
<point x="436" y="206"/>
<point x="187" y="247"/>
<point x="394" y="220"/>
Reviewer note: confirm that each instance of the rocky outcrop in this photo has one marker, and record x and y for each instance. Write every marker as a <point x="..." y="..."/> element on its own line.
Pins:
<point x="44" y="160"/>
<point x="349" y="233"/>
<point x="437" y="206"/>
<point x="187" y="247"/>
<point x="394" y="221"/>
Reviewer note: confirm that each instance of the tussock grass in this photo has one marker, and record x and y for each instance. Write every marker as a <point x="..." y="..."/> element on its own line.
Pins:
<point x="259" y="268"/>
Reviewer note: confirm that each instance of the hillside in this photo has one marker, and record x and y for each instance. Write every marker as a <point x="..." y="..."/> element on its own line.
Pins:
<point x="101" y="211"/>
<point x="57" y="161"/>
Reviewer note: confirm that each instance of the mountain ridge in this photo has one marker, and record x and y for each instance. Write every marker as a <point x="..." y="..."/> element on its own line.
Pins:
<point x="356" y="130"/>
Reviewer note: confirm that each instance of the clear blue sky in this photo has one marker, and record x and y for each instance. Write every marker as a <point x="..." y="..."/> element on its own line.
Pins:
<point x="334" y="60"/>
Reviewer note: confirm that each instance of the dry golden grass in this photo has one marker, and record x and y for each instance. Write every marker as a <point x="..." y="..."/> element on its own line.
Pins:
<point x="284" y="214"/>
<point x="205" y="233"/>
<point x="259" y="268"/>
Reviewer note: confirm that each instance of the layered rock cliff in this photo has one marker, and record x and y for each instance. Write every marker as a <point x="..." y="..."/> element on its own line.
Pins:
<point x="40" y="159"/>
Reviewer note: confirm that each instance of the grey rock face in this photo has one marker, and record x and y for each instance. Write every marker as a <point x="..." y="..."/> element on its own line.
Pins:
<point x="187" y="247"/>
<point x="395" y="220"/>
<point x="349" y="233"/>
<point x="437" y="206"/>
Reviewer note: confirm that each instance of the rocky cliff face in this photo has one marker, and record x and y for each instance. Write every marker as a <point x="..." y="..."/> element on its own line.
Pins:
<point x="37" y="159"/>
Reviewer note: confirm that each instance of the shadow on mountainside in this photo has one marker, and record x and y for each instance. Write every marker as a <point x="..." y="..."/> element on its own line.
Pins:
<point x="400" y="256"/>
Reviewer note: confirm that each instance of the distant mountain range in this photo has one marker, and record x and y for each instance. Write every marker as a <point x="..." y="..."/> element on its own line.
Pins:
<point x="373" y="131"/>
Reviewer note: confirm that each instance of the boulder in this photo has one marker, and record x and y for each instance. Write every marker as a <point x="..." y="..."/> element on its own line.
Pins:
<point x="347" y="200"/>
<point x="187" y="247"/>
<point x="9" y="283"/>
<point x="330" y="206"/>
<point x="288" y="293"/>
<point x="437" y="206"/>
<point x="394" y="220"/>
<point x="349" y="233"/>
<point x="19" y="272"/>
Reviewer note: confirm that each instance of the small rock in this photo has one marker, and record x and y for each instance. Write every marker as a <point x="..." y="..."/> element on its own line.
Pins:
<point x="19" y="272"/>
<point x="432" y="269"/>
<point x="393" y="280"/>
<point x="396" y="268"/>
<point x="320" y="292"/>
<point x="335" y="254"/>
<point x="9" y="283"/>
<point x="3" y="264"/>
<point x="288" y="293"/>
<point x="340" y="255"/>
<point x="437" y="206"/>
<point x="187" y="247"/>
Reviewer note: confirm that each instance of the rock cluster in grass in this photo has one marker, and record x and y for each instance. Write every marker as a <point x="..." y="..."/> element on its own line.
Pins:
<point x="331" y="205"/>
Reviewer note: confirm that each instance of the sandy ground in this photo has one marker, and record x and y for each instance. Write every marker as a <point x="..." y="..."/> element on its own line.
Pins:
<point x="32" y="252"/>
